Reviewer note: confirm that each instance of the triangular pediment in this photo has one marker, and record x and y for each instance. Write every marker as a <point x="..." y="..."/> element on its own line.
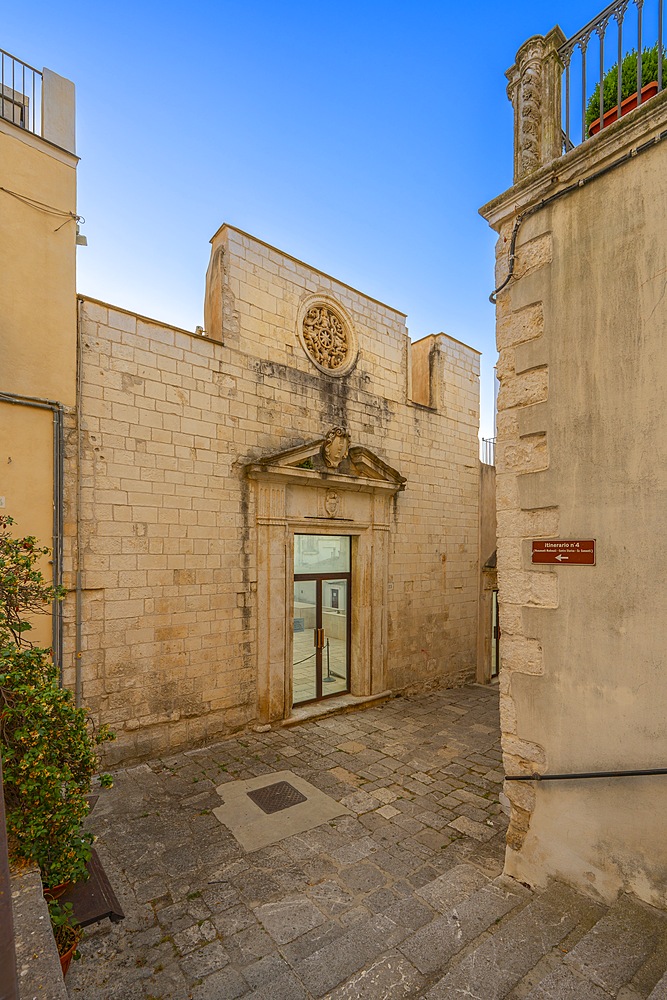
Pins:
<point x="307" y="463"/>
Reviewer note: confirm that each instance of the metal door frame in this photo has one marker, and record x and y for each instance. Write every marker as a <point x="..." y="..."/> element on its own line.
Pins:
<point x="319" y="578"/>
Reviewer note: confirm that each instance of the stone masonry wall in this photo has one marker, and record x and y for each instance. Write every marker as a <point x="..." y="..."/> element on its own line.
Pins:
<point x="170" y="419"/>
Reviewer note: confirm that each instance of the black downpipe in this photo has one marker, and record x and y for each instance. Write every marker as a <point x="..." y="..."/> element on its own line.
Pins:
<point x="58" y="492"/>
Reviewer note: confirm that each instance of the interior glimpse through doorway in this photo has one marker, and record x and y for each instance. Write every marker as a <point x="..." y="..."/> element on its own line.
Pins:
<point x="322" y="619"/>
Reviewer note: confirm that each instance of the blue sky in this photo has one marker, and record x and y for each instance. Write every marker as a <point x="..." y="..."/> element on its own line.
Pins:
<point x="360" y="137"/>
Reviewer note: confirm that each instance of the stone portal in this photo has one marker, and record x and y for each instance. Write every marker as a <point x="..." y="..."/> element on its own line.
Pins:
<point x="305" y="511"/>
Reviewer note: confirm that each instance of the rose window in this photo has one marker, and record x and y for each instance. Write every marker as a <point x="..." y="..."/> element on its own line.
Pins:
<point x="325" y="337"/>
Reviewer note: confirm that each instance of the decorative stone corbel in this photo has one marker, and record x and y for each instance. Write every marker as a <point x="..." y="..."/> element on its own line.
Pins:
<point x="535" y="92"/>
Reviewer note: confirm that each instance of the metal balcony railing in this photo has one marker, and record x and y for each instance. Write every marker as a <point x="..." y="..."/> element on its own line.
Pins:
<point x="487" y="451"/>
<point x="20" y="93"/>
<point x="625" y="25"/>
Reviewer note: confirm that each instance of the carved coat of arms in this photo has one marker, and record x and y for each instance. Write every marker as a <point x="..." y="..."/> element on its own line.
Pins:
<point x="336" y="447"/>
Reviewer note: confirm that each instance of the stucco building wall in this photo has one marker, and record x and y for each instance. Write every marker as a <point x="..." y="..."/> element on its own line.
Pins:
<point x="581" y="454"/>
<point x="37" y="314"/>
<point x="174" y="618"/>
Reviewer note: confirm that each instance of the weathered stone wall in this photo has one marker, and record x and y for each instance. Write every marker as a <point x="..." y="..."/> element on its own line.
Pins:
<point x="168" y="552"/>
<point x="581" y="453"/>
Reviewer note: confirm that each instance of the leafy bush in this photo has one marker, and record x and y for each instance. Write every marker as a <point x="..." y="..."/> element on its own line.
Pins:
<point x="628" y="82"/>
<point x="49" y="747"/>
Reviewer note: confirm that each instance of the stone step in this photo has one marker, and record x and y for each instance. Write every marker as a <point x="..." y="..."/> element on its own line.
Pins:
<point x="470" y="904"/>
<point x="608" y="956"/>
<point x="502" y="959"/>
<point x="613" y="950"/>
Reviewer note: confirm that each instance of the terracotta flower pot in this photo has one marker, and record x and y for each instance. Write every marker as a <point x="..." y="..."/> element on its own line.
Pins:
<point x="56" y="891"/>
<point x="629" y="104"/>
<point x="66" y="959"/>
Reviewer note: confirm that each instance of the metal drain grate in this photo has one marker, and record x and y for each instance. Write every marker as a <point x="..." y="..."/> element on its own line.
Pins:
<point x="275" y="798"/>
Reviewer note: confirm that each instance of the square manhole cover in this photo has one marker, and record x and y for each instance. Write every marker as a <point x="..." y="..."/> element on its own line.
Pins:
<point x="275" y="798"/>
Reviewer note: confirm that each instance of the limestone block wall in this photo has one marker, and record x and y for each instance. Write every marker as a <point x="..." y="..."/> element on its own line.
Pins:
<point x="169" y="422"/>
<point x="581" y="453"/>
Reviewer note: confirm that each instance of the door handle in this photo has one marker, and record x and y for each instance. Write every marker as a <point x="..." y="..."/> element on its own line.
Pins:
<point x="318" y="638"/>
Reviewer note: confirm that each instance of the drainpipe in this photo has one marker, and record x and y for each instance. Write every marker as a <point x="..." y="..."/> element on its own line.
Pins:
<point x="58" y="489"/>
<point x="78" y="603"/>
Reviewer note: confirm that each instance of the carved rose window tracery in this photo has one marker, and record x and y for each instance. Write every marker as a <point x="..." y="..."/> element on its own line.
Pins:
<point x="325" y="337"/>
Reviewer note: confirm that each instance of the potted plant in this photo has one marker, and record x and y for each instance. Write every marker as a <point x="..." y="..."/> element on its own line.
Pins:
<point x="67" y="933"/>
<point x="49" y="746"/>
<point x="628" y="88"/>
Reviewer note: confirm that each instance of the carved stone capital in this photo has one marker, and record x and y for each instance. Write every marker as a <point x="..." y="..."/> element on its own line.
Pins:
<point x="534" y="88"/>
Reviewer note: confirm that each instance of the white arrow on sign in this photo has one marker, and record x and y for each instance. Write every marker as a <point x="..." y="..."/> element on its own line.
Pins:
<point x="561" y="557"/>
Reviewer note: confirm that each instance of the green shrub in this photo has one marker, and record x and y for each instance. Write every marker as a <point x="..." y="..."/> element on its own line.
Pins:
<point x="49" y="747"/>
<point x="66" y="929"/>
<point x="628" y="82"/>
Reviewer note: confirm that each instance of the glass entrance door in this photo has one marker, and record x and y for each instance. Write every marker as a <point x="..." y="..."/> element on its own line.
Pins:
<point x="322" y="622"/>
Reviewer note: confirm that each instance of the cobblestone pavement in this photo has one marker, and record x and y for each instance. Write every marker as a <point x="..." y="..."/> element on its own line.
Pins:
<point x="349" y="909"/>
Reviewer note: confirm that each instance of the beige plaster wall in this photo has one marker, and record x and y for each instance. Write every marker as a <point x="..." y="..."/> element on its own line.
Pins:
<point x="170" y="420"/>
<point x="582" y="453"/>
<point x="26" y="484"/>
<point x="38" y="287"/>
<point x="37" y="324"/>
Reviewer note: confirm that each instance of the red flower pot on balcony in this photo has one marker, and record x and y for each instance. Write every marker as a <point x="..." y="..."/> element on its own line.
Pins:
<point x="629" y="104"/>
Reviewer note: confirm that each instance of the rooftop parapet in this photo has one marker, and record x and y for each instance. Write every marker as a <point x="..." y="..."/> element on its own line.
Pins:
<point x="41" y="102"/>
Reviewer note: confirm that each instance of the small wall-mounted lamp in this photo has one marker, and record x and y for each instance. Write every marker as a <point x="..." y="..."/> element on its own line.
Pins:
<point x="81" y="240"/>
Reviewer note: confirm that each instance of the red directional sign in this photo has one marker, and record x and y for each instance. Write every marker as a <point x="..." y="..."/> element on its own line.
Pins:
<point x="564" y="552"/>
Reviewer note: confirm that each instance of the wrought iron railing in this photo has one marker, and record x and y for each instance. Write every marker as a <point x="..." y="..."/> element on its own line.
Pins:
<point x="638" y="26"/>
<point x="487" y="451"/>
<point x="20" y="93"/>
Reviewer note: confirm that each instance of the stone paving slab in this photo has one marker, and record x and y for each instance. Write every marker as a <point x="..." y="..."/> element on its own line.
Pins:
<point x="254" y="828"/>
<point x="323" y="912"/>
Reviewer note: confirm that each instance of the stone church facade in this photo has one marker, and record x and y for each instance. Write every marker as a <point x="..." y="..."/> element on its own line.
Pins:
<point x="281" y="510"/>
